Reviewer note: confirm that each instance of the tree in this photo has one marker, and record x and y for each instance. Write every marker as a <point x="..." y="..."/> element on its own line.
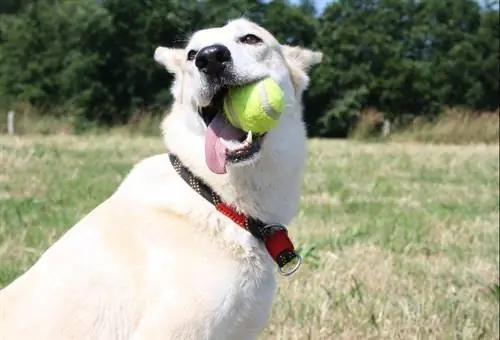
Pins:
<point x="97" y="57"/>
<point x="49" y="53"/>
<point x="487" y="48"/>
<point x="133" y="81"/>
<point x="402" y="57"/>
<point x="279" y="17"/>
<point x="12" y="6"/>
<point x="349" y="36"/>
<point x="396" y="56"/>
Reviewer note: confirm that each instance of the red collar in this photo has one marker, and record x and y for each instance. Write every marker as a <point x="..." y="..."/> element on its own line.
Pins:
<point x="274" y="236"/>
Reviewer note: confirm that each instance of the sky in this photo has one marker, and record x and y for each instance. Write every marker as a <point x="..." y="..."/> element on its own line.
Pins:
<point x="320" y="4"/>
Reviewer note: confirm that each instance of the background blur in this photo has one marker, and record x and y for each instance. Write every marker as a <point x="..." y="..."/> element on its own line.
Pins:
<point x="90" y="62"/>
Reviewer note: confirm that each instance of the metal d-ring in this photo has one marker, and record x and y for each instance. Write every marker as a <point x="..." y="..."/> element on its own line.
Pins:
<point x="275" y="226"/>
<point x="294" y="268"/>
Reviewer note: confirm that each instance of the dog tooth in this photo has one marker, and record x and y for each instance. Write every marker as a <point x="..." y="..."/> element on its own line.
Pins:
<point x="249" y="138"/>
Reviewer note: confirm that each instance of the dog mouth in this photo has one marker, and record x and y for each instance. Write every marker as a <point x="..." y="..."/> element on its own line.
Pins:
<point x="224" y="143"/>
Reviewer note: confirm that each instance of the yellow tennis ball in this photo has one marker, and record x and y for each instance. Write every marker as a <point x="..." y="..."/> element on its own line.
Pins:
<point x="256" y="106"/>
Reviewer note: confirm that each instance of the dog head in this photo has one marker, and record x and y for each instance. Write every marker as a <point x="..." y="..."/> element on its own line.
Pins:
<point x="213" y="60"/>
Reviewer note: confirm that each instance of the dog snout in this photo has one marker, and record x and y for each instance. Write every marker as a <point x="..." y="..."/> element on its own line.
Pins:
<point x="213" y="59"/>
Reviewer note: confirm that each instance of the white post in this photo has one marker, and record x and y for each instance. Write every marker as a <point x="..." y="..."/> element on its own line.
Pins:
<point x="10" y="122"/>
<point x="386" y="128"/>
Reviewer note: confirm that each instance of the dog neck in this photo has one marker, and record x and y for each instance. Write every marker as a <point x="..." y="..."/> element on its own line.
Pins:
<point x="274" y="236"/>
<point x="268" y="188"/>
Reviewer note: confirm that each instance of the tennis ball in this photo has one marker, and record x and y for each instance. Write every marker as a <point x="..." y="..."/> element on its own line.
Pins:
<point x="255" y="106"/>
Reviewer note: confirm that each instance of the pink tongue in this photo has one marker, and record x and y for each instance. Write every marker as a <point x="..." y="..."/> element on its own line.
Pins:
<point x="215" y="151"/>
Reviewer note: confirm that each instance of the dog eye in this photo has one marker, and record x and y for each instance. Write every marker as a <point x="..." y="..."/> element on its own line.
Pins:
<point x="250" y="39"/>
<point x="191" y="55"/>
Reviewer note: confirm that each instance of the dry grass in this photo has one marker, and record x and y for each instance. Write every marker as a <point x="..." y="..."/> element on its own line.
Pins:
<point x="400" y="241"/>
<point x="30" y="121"/>
<point x="454" y="126"/>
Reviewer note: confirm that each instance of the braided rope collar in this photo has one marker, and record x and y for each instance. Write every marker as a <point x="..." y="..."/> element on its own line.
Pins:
<point x="274" y="236"/>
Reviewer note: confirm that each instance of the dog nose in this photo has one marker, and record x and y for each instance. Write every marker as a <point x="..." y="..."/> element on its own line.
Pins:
<point x="213" y="59"/>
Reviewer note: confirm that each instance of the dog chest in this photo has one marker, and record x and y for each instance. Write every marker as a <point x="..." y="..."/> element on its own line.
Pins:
<point x="214" y="298"/>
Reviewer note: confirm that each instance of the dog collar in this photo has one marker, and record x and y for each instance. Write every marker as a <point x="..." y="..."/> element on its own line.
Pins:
<point x="274" y="236"/>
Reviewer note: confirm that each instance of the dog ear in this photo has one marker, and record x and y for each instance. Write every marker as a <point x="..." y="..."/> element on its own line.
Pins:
<point x="299" y="61"/>
<point x="171" y="58"/>
<point x="302" y="58"/>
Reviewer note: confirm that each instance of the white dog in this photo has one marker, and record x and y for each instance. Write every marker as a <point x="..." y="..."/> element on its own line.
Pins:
<point x="178" y="251"/>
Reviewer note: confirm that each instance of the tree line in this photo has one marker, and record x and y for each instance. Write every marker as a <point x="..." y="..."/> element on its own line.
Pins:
<point x="399" y="57"/>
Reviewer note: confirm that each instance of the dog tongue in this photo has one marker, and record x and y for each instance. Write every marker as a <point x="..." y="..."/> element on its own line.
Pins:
<point x="215" y="151"/>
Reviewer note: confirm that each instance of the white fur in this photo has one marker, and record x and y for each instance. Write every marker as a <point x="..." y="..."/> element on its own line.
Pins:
<point x="155" y="260"/>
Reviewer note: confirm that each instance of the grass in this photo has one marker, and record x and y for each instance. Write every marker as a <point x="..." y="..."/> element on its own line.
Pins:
<point x="453" y="126"/>
<point x="32" y="121"/>
<point x="400" y="241"/>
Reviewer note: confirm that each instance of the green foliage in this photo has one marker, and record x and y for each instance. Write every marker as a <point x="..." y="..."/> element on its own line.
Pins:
<point x="403" y="57"/>
<point x="50" y="56"/>
<point x="400" y="57"/>
<point x="12" y="6"/>
<point x="127" y="74"/>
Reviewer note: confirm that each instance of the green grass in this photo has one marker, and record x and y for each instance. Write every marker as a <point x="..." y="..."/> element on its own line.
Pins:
<point x="400" y="241"/>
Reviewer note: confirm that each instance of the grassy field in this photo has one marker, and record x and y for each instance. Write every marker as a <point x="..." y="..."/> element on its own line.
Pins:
<point x="401" y="241"/>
